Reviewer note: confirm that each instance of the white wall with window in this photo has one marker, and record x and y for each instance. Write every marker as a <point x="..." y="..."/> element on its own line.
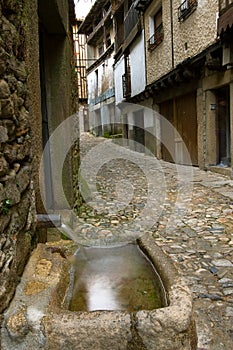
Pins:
<point x="100" y="80"/>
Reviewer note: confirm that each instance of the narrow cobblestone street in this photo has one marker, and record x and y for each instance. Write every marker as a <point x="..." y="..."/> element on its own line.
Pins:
<point x="189" y="211"/>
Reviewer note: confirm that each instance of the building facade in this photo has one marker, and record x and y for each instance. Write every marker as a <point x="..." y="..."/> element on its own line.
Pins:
<point x="172" y="59"/>
<point x="189" y="77"/>
<point x="129" y="68"/>
<point x="82" y="7"/>
<point x="98" y="28"/>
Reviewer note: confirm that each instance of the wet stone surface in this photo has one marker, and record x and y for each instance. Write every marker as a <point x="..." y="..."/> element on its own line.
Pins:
<point x="119" y="278"/>
<point x="191" y="220"/>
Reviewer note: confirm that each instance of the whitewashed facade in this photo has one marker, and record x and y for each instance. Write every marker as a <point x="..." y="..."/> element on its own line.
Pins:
<point x="98" y="28"/>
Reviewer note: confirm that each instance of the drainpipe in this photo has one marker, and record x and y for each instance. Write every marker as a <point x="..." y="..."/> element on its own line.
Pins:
<point x="172" y="38"/>
<point x="45" y="221"/>
<point x="48" y="220"/>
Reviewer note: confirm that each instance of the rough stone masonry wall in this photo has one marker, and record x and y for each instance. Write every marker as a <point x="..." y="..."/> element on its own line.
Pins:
<point x="17" y="208"/>
<point x="196" y="32"/>
<point x="190" y="37"/>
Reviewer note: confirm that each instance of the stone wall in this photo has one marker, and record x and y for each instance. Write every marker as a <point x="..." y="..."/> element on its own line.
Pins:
<point x="17" y="200"/>
<point x="196" y="32"/>
<point x="158" y="61"/>
<point x="21" y="136"/>
<point x="58" y="98"/>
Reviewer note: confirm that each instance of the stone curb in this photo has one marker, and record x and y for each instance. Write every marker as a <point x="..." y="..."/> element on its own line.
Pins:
<point x="38" y="316"/>
<point x="172" y="327"/>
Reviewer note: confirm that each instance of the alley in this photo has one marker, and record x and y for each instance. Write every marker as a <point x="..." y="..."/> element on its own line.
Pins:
<point x="189" y="211"/>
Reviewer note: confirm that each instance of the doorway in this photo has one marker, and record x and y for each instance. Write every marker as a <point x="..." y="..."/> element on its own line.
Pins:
<point x="45" y="127"/>
<point x="223" y="126"/>
<point x="181" y="113"/>
<point x="139" y="131"/>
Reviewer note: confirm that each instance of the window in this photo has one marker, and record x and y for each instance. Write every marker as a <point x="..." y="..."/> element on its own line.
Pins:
<point x="96" y="82"/>
<point x="186" y="9"/>
<point x="100" y="49"/>
<point x="126" y="78"/>
<point x="108" y="40"/>
<point x="157" y="27"/>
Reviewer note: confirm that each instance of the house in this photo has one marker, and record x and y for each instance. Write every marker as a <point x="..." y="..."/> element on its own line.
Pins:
<point x="188" y="80"/>
<point x="82" y="7"/>
<point x="98" y="27"/>
<point x="129" y="68"/>
<point x="172" y="60"/>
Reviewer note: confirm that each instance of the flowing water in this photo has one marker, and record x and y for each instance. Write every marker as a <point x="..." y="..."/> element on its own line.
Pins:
<point x="119" y="278"/>
<point x="68" y="232"/>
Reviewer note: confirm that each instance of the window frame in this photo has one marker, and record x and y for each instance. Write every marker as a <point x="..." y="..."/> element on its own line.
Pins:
<point x="100" y="48"/>
<point x="156" y="29"/>
<point x="186" y="8"/>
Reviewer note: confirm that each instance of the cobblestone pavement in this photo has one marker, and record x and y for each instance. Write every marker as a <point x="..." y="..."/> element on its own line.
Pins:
<point x="189" y="211"/>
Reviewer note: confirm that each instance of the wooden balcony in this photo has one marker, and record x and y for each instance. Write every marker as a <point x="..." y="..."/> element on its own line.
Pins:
<point x="132" y="19"/>
<point x="98" y="30"/>
<point x="156" y="38"/>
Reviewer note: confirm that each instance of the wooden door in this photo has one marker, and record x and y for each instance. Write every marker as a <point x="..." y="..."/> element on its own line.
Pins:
<point x="223" y="126"/>
<point x="186" y="125"/>
<point x="139" y="132"/>
<point x="167" y="133"/>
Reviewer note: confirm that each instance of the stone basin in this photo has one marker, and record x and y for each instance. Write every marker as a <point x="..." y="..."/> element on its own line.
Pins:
<point x="114" y="278"/>
<point x="38" y="317"/>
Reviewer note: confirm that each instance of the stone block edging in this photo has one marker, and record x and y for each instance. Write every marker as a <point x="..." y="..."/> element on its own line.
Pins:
<point x="38" y="316"/>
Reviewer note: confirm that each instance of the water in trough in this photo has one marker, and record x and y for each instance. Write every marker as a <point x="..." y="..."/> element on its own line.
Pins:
<point x="115" y="278"/>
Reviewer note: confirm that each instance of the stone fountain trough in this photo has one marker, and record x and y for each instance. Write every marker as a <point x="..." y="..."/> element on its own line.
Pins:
<point x="38" y="317"/>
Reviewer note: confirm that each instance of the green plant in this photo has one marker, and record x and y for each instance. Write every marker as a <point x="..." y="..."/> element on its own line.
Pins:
<point x="64" y="237"/>
<point x="5" y="206"/>
<point x="107" y="134"/>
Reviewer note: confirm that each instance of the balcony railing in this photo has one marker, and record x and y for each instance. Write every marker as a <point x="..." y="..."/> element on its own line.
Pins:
<point x="186" y="8"/>
<point x="126" y="84"/>
<point x="99" y="27"/>
<point x="156" y="38"/>
<point x="131" y="19"/>
<point x="119" y="38"/>
<point x="224" y="4"/>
